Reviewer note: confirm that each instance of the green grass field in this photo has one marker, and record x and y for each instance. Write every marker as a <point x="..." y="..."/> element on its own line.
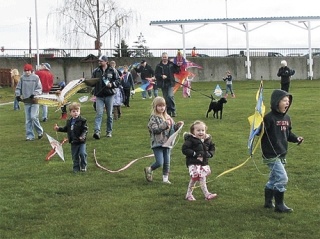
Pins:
<point x="44" y="199"/>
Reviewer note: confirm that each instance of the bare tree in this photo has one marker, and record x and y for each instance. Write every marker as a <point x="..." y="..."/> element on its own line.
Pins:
<point x="77" y="21"/>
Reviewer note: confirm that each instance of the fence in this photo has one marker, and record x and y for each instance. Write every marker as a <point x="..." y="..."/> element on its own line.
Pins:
<point x="155" y="52"/>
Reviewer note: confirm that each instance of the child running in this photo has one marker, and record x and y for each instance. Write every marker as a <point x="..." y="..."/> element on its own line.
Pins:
<point x="198" y="148"/>
<point x="160" y="126"/>
<point x="77" y="130"/>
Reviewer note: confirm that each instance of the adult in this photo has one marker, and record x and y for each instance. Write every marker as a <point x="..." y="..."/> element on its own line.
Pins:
<point x="164" y="73"/>
<point x="127" y="84"/>
<point x="29" y="86"/>
<point x="104" y="91"/>
<point x="285" y="74"/>
<point x="146" y="74"/>
<point x="46" y="78"/>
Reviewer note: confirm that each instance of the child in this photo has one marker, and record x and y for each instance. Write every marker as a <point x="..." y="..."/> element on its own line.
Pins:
<point x="186" y="92"/>
<point x="118" y="102"/>
<point x="228" y="80"/>
<point x="15" y="78"/>
<point x="198" y="148"/>
<point x="160" y="126"/>
<point x="63" y="108"/>
<point x="274" y="145"/>
<point x="77" y="130"/>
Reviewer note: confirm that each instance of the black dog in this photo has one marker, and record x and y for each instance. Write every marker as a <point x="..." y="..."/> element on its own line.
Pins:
<point x="216" y="106"/>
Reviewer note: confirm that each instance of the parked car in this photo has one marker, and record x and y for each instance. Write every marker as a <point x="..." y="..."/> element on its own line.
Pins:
<point x="53" y="52"/>
<point x="314" y="54"/>
<point x="295" y="54"/>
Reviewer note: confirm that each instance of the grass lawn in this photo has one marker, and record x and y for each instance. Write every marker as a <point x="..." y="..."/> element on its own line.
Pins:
<point x="44" y="199"/>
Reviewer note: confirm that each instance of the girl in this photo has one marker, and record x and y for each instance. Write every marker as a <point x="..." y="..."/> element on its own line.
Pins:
<point x="160" y="126"/>
<point x="198" y="148"/>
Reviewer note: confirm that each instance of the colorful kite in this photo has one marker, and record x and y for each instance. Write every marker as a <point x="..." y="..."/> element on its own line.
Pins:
<point x="56" y="148"/>
<point x="217" y="91"/>
<point x="146" y="86"/>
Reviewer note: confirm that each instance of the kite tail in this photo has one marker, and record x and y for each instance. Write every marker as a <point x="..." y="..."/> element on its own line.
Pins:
<point x="51" y="154"/>
<point x="121" y="169"/>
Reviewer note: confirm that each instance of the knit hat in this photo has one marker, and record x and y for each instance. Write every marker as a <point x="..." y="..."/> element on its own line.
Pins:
<point x="27" y="67"/>
<point x="143" y="61"/>
<point x="283" y="63"/>
<point x="103" y="58"/>
<point x="47" y="66"/>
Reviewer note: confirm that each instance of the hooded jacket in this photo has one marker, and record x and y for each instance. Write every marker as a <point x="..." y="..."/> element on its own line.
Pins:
<point x="194" y="147"/>
<point x="169" y="70"/>
<point x="277" y="129"/>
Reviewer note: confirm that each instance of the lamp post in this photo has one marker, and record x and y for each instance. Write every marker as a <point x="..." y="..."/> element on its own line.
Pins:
<point x="226" y="1"/>
<point x="119" y="23"/>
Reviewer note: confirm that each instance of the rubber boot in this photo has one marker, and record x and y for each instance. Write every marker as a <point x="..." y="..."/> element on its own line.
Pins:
<point x="280" y="206"/>
<point x="64" y="116"/>
<point x="268" y="196"/>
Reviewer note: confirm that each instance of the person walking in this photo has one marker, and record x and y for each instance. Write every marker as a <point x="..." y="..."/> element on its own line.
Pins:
<point x="285" y="74"/>
<point x="164" y="74"/>
<point x="29" y="86"/>
<point x="127" y="84"/>
<point x="46" y="78"/>
<point x="104" y="91"/>
<point x="274" y="146"/>
<point x="146" y="74"/>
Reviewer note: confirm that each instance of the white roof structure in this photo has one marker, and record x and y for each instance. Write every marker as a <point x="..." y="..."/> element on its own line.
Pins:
<point x="299" y="21"/>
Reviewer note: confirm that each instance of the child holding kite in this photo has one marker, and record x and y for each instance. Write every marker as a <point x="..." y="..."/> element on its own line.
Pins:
<point x="160" y="126"/>
<point x="77" y="130"/>
<point x="228" y="80"/>
<point x="274" y="145"/>
<point x="198" y="147"/>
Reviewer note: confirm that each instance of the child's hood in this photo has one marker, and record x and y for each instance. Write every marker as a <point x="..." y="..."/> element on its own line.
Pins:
<point x="277" y="96"/>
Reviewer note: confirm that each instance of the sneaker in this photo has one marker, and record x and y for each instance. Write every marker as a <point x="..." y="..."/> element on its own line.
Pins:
<point x="148" y="174"/>
<point x="29" y="139"/>
<point x="211" y="196"/>
<point x="96" y="135"/>
<point x="44" y="120"/>
<point x="109" y="135"/>
<point x="143" y="98"/>
<point x="84" y="169"/>
<point x="190" y="198"/>
<point x="150" y="97"/>
<point x="40" y="136"/>
<point x="173" y="114"/>
<point x="167" y="182"/>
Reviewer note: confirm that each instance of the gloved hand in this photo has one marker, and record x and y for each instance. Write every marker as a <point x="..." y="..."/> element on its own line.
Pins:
<point x="18" y="98"/>
<point x="31" y="96"/>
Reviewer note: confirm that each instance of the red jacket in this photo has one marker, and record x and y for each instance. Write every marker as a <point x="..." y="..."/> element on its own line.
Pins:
<point x="46" y="78"/>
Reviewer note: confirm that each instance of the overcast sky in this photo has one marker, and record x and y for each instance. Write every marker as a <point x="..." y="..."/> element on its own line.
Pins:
<point x="15" y="14"/>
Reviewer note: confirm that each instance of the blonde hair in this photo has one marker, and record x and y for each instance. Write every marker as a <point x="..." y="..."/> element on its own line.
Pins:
<point x="197" y="122"/>
<point x="158" y="101"/>
<point x="15" y="77"/>
<point x="283" y="63"/>
<point x="74" y="106"/>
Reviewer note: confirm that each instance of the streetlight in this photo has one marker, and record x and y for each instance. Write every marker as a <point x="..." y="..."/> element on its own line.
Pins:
<point x="226" y="1"/>
<point x="119" y="23"/>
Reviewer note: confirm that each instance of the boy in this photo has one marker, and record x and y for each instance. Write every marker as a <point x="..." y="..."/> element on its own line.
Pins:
<point x="274" y="145"/>
<point x="77" y="130"/>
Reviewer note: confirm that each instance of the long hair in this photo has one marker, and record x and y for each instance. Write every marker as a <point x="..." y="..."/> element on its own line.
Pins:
<point x="158" y="101"/>
<point x="15" y="77"/>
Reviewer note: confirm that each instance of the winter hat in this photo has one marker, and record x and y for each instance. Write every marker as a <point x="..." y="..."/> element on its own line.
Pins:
<point x="103" y="58"/>
<point x="143" y="61"/>
<point x="27" y="67"/>
<point x="283" y="63"/>
<point x="47" y="66"/>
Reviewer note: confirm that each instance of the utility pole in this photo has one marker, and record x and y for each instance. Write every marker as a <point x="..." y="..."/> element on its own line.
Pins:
<point x="227" y="27"/>
<point x="30" y="36"/>
<point x="98" y="44"/>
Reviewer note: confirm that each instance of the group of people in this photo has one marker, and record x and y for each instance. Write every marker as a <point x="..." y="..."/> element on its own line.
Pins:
<point x="198" y="146"/>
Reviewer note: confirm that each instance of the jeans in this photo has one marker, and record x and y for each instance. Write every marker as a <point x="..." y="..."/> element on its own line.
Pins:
<point x="44" y="109"/>
<point x="79" y="156"/>
<point x="102" y="102"/>
<point x="32" y="120"/>
<point x="162" y="156"/>
<point x="229" y="89"/>
<point x="168" y="95"/>
<point x="16" y="105"/>
<point x="278" y="178"/>
<point x="144" y="93"/>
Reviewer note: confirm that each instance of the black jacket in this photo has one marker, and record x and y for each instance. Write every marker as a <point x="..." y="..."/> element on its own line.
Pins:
<point x="285" y="73"/>
<point x="100" y="88"/>
<point x="146" y="72"/>
<point x="193" y="148"/>
<point x="169" y="70"/>
<point x="79" y="129"/>
<point x="277" y="129"/>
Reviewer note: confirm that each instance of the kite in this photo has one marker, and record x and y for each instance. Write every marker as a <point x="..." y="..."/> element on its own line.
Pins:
<point x="172" y="138"/>
<point x="146" y="86"/>
<point x="217" y="91"/>
<point x="255" y="121"/>
<point x="56" y="148"/>
<point x="61" y="98"/>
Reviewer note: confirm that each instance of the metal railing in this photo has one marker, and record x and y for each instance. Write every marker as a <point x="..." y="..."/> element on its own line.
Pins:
<point x="156" y="52"/>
